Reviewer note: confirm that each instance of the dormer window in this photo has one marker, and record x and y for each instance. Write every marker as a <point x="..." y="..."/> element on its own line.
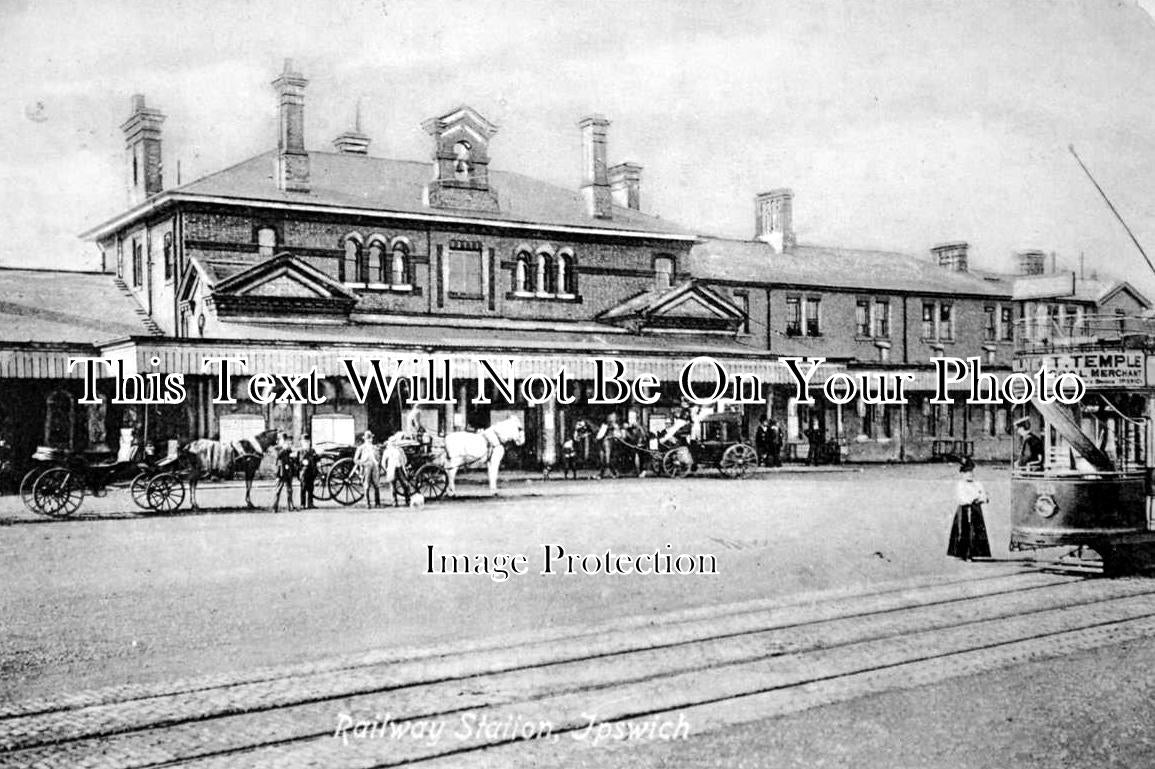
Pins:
<point x="266" y="241"/>
<point x="663" y="272"/>
<point x="461" y="153"/>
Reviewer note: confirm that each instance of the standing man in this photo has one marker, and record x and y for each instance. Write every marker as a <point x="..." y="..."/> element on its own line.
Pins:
<point x="285" y="472"/>
<point x="368" y="461"/>
<point x="606" y="436"/>
<point x="307" y="460"/>
<point x="1031" y="450"/>
<point x="762" y="442"/>
<point x="774" y="443"/>
<point x="817" y="439"/>
<point x="396" y="467"/>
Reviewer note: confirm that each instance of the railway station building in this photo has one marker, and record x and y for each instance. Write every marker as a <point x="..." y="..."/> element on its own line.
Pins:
<point x="297" y="259"/>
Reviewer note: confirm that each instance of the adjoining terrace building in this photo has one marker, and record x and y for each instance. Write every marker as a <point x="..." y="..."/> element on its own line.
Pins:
<point x="297" y="258"/>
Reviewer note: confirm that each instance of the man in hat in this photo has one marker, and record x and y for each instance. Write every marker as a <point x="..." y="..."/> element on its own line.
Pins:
<point x="285" y="472"/>
<point x="369" y="462"/>
<point x="307" y="460"/>
<point x="1031" y="448"/>
<point x="396" y="467"/>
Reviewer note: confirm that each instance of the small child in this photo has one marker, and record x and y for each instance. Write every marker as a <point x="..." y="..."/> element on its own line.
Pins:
<point x="569" y="457"/>
<point x="286" y="471"/>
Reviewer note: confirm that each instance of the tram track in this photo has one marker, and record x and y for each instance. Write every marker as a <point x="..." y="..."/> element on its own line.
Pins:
<point x="689" y="663"/>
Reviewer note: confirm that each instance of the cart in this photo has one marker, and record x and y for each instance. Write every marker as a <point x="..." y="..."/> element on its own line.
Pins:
<point x="719" y="444"/>
<point x="427" y="475"/>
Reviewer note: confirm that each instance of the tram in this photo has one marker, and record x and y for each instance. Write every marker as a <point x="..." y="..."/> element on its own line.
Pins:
<point x="1085" y="480"/>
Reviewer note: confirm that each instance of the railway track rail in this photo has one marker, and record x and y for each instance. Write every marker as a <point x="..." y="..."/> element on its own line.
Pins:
<point x="707" y="668"/>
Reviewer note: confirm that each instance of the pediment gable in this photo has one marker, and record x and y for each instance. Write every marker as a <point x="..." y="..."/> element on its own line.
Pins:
<point x="689" y="305"/>
<point x="284" y="276"/>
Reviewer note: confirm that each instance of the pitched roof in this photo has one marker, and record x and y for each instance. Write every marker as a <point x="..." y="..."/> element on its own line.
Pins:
<point x="57" y="306"/>
<point x="667" y="300"/>
<point x="345" y="180"/>
<point x="753" y="261"/>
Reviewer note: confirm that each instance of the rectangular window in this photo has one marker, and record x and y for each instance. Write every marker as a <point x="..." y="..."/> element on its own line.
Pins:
<point x="887" y="421"/>
<point x="793" y="316"/>
<point x="168" y="256"/>
<point x="743" y="300"/>
<point x="945" y="321"/>
<point x="928" y="320"/>
<point x="868" y="420"/>
<point x="882" y="318"/>
<point x="1121" y="320"/>
<point x="137" y="264"/>
<point x="932" y="419"/>
<point x="862" y="317"/>
<point x="1007" y="324"/>
<point x="991" y="330"/>
<point x="465" y="274"/>
<point x="812" y="317"/>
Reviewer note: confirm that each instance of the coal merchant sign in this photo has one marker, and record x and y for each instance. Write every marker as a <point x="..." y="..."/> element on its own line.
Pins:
<point x="1116" y="368"/>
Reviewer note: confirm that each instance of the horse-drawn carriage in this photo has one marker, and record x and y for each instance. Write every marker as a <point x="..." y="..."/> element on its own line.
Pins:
<point x="340" y="479"/>
<point x="719" y="444"/>
<point x="59" y="480"/>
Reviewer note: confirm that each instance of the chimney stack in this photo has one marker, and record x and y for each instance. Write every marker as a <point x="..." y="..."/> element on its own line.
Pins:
<point x="951" y="256"/>
<point x="626" y="185"/>
<point x="142" y="145"/>
<point x="774" y="219"/>
<point x="353" y="142"/>
<point x="595" y="181"/>
<point x="292" y="159"/>
<point x="1031" y="262"/>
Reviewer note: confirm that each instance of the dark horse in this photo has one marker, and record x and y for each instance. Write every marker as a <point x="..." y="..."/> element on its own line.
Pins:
<point x="204" y="458"/>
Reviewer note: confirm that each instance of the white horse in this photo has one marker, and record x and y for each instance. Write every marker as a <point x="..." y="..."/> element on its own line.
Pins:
<point x="463" y="449"/>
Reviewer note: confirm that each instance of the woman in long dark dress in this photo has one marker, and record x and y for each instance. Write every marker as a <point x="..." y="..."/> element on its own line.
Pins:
<point x="968" y="534"/>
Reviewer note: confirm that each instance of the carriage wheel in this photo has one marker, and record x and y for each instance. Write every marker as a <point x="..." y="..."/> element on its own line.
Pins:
<point x="57" y="492"/>
<point x="139" y="487"/>
<point x="344" y="482"/>
<point x="677" y="462"/>
<point x="656" y="464"/>
<point x="737" y="461"/>
<point x="431" y="480"/>
<point x="26" y="485"/>
<point x="321" y="482"/>
<point x="164" y="493"/>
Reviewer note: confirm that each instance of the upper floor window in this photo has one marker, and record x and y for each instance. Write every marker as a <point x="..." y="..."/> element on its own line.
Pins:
<point x="545" y="274"/>
<point x="663" y="272"/>
<point x="1006" y="324"/>
<point x="813" y="316"/>
<point x="521" y="274"/>
<point x="351" y="263"/>
<point x="991" y="326"/>
<point x="793" y="316"/>
<point x="862" y="317"/>
<point x="137" y="264"/>
<point x="938" y="321"/>
<point x="375" y="263"/>
<point x="461" y="152"/>
<point x="882" y="318"/>
<point x="119" y="259"/>
<point x="465" y="274"/>
<point x="399" y="268"/>
<point x="266" y="241"/>
<point x="743" y="301"/>
<point x="169" y="266"/>
<point x="566" y="274"/>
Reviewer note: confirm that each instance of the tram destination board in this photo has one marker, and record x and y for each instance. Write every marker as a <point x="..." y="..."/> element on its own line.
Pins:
<point x="1114" y="368"/>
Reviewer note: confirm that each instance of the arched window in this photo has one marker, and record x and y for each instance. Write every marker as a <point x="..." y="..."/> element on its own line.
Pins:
<point x="566" y="275"/>
<point x="521" y="277"/>
<point x="399" y="268"/>
<point x="375" y="268"/>
<point x="266" y="241"/>
<point x="350" y="266"/>
<point x="545" y="274"/>
<point x="663" y="272"/>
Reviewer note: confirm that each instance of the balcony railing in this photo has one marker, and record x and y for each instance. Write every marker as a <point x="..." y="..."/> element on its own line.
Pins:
<point x="1042" y="335"/>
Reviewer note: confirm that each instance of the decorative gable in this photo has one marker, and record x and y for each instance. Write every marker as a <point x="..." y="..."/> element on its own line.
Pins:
<point x="461" y="161"/>
<point x="689" y="306"/>
<point x="283" y="284"/>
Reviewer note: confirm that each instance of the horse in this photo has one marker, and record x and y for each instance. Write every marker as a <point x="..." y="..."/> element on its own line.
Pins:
<point x="464" y="448"/>
<point x="204" y="458"/>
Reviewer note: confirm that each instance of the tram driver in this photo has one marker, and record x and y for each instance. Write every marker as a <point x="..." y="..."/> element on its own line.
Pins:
<point x="1031" y="447"/>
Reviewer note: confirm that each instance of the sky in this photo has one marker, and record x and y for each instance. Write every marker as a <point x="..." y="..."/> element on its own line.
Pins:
<point x="898" y="123"/>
